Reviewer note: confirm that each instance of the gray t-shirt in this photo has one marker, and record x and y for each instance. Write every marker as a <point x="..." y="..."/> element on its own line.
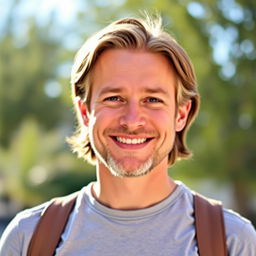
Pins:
<point x="166" y="228"/>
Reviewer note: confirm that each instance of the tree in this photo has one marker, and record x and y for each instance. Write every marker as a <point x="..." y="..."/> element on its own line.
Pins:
<point x="220" y="38"/>
<point x="35" y="114"/>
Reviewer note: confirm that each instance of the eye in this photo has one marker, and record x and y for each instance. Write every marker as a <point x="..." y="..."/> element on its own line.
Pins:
<point x="112" y="98"/>
<point x="153" y="100"/>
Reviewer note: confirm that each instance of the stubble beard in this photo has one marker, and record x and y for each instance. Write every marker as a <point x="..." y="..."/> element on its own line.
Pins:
<point x="117" y="169"/>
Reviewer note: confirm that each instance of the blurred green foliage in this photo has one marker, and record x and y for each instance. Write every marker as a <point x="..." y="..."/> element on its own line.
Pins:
<point x="35" y="105"/>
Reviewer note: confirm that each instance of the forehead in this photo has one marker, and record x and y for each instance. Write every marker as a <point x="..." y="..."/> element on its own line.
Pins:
<point x="132" y="69"/>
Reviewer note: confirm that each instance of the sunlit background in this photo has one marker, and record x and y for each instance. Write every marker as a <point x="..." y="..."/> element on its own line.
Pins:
<point x="38" y="41"/>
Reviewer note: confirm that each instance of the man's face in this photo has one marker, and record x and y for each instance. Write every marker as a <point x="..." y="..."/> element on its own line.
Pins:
<point x="132" y="120"/>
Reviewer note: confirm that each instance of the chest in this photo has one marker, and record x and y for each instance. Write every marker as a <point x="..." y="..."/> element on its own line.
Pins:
<point x="158" y="235"/>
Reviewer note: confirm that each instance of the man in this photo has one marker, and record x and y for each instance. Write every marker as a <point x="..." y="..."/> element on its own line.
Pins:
<point x="135" y="95"/>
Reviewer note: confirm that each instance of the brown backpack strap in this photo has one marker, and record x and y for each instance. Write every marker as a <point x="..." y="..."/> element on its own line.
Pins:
<point x="210" y="229"/>
<point x="51" y="225"/>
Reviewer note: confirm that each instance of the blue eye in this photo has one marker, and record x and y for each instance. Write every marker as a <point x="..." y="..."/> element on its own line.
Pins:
<point x="112" y="98"/>
<point x="154" y="100"/>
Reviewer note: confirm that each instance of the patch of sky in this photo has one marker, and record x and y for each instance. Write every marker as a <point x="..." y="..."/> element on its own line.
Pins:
<point x="21" y="35"/>
<point x="64" y="69"/>
<point x="72" y="41"/>
<point x="106" y="3"/>
<point x="196" y="10"/>
<point x="64" y="11"/>
<point x="4" y="11"/>
<point x="14" y="20"/>
<point x="247" y="47"/>
<point x="221" y="41"/>
<point x="231" y="10"/>
<point x="62" y="14"/>
<point x="220" y="46"/>
<point x="52" y="89"/>
<point x="236" y="50"/>
<point x="227" y="71"/>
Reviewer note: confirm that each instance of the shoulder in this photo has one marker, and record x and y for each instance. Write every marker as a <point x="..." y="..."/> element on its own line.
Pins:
<point x="17" y="235"/>
<point x="241" y="235"/>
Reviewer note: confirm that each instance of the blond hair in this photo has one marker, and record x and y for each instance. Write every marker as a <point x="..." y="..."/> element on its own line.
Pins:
<point x="132" y="33"/>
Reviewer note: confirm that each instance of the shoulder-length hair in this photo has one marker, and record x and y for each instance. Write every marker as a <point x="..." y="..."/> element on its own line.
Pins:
<point x="132" y="33"/>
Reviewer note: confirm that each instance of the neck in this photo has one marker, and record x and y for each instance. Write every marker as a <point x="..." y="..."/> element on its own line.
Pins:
<point x="132" y="193"/>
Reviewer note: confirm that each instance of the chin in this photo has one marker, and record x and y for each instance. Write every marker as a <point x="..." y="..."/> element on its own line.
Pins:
<point x="120" y="170"/>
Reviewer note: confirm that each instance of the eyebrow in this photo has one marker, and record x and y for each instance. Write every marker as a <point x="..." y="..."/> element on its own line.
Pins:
<point x="152" y="90"/>
<point x="110" y="90"/>
<point x="155" y="90"/>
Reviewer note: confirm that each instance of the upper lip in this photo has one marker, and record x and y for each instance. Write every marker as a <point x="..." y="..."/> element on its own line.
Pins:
<point x="128" y="136"/>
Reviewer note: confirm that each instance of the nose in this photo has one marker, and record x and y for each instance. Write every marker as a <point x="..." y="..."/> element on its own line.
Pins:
<point x="132" y="117"/>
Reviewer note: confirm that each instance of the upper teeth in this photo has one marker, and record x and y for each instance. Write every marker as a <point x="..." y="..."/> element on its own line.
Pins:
<point x="130" y="141"/>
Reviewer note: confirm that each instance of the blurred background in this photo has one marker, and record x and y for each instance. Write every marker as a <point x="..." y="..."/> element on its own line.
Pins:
<point x="38" y="41"/>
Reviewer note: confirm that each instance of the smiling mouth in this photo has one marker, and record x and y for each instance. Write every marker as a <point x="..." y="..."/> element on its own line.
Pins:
<point x="131" y="141"/>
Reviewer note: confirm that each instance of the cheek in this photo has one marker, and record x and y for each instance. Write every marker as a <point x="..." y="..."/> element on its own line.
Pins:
<point x="103" y="119"/>
<point x="165" y="124"/>
<point x="164" y="119"/>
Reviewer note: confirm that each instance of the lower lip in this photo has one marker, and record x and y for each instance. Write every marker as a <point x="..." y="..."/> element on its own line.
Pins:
<point x="131" y="146"/>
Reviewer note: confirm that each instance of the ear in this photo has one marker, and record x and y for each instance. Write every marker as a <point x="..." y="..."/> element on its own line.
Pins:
<point x="182" y="115"/>
<point x="82" y="109"/>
